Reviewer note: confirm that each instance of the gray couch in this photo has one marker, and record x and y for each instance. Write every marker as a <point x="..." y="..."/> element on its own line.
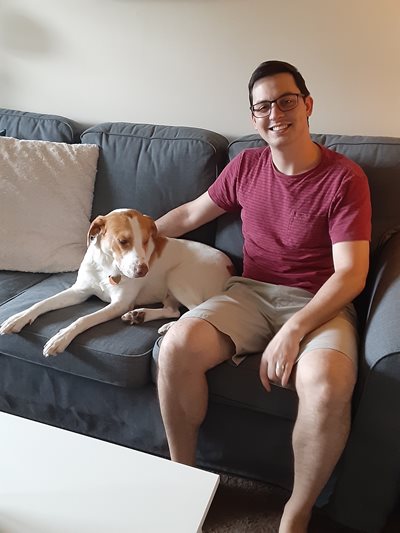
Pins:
<point x="102" y="385"/>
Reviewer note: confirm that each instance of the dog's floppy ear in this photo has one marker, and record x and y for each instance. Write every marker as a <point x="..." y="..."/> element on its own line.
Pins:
<point x="98" y="226"/>
<point x="154" y="230"/>
<point x="151" y="225"/>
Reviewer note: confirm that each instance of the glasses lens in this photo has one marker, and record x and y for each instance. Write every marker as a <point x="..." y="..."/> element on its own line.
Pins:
<point x="287" y="102"/>
<point x="262" y="109"/>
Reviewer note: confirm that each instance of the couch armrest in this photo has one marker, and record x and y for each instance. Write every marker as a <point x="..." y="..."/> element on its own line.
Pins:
<point x="382" y="332"/>
<point x="368" y="484"/>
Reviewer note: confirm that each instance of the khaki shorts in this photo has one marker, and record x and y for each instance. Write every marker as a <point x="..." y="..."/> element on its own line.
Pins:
<point x="251" y="312"/>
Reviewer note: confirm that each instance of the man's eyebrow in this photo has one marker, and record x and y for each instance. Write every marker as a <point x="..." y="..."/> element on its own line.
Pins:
<point x="269" y="101"/>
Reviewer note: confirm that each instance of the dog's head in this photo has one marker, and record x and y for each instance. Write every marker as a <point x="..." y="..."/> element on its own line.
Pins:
<point x="129" y="236"/>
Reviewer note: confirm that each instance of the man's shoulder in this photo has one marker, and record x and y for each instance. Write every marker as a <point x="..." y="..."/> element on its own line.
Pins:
<point x="341" y="163"/>
<point x="252" y="154"/>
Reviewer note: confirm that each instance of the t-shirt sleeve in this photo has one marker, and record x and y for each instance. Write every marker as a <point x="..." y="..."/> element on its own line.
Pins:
<point x="224" y="190"/>
<point x="350" y="217"/>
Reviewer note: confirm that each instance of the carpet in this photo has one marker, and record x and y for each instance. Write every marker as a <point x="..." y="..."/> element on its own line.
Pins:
<point x="246" y="506"/>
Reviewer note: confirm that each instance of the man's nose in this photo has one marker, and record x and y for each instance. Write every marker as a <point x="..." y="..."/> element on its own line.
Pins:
<point x="275" y="111"/>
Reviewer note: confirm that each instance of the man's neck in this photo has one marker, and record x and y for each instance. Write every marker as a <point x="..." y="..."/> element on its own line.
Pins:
<point x="293" y="160"/>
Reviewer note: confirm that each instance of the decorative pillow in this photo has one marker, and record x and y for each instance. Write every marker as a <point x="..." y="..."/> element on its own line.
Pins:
<point x="46" y="194"/>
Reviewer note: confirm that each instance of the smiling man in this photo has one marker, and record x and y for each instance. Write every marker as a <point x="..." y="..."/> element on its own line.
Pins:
<point x="306" y="225"/>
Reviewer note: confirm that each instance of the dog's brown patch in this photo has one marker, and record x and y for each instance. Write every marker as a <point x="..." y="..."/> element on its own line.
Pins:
<point x="159" y="243"/>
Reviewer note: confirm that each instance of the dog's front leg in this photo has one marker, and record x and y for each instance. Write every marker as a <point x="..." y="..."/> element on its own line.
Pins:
<point x="71" y="296"/>
<point x="170" y="309"/>
<point x="59" y="342"/>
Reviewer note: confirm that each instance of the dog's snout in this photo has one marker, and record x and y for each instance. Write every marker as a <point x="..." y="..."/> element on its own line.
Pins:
<point x="141" y="270"/>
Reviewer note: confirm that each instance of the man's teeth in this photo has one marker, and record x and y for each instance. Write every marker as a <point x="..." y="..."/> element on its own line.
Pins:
<point x="280" y="127"/>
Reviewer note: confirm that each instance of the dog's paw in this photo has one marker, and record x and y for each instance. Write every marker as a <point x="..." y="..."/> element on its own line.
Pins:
<point x="57" y="344"/>
<point x="165" y="327"/>
<point x="136" y="316"/>
<point x="15" y="323"/>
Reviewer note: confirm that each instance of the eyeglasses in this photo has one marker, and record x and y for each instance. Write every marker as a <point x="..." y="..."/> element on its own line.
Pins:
<point x="286" y="102"/>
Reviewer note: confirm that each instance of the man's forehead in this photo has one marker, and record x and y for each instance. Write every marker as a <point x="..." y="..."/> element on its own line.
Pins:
<point x="276" y="84"/>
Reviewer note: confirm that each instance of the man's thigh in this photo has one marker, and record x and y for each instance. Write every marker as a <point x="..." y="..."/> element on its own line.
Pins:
<point x="338" y="334"/>
<point x="237" y="313"/>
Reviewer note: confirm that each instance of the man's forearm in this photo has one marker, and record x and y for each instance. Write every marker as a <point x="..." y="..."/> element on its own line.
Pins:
<point x="338" y="291"/>
<point x="174" y="223"/>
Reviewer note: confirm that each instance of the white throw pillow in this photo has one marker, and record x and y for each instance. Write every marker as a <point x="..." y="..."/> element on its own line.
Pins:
<point x="46" y="195"/>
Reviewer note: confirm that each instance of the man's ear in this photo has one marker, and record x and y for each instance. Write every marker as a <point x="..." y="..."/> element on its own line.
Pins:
<point x="309" y="102"/>
<point x="97" y="227"/>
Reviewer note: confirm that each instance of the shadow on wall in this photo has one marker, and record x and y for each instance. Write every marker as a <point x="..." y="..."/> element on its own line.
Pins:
<point x="23" y="35"/>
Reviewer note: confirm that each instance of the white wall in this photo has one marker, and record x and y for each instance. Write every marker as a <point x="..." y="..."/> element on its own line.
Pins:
<point x="187" y="62"/>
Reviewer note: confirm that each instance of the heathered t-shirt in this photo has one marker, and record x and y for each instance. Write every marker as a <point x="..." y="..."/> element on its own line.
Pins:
<point x="289" y="223"/>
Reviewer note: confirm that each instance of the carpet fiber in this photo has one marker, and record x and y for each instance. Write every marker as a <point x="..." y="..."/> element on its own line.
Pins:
<point x="245" y="506"/>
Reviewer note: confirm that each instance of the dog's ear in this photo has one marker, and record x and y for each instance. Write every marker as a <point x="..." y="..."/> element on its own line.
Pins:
<point x="97" y="227"/>
<point x="154" y="230"/>
<point x="151" y="226"/>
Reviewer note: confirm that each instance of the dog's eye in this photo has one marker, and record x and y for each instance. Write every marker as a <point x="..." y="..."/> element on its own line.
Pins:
<point x="123" y="242"/>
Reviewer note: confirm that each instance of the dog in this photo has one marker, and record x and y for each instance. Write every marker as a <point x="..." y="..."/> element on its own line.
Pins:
<point x="128" y="263"/>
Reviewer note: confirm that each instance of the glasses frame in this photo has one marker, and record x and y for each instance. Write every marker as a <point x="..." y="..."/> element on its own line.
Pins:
<point x="276" y="102"/>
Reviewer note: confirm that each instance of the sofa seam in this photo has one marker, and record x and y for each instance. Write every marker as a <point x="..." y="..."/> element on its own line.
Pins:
<point x="208" y="143"/>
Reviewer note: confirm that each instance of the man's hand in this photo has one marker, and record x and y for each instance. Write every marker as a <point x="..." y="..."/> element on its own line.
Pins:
<point x="279" y="357"/>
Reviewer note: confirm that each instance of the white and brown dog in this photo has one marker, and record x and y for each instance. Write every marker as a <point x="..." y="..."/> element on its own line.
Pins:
<point x="127" y="264"/>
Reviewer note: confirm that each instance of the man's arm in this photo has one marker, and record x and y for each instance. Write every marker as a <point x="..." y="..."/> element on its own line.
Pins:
<point x="351" y="262"/>
<point x="189" y="216"/>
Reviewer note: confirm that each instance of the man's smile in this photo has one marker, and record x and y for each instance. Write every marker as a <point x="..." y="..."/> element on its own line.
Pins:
<point x="279" y="127"/>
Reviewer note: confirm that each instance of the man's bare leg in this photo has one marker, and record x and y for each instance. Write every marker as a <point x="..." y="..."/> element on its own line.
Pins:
<point x="190" y="348"/>
<point x="324" y="381"/>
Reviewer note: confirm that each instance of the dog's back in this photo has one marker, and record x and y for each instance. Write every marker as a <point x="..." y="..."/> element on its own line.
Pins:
<point x="194" y="271"/>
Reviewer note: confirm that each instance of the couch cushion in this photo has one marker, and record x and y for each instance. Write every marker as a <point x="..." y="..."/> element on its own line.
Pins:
<point x="26" y="125"/>
<point x="154" y="168"/>
<point x="112" y="352"/>
<point x="14" y="283"/>
<point x="241" y="386"/>
<point x="46" y="193"/>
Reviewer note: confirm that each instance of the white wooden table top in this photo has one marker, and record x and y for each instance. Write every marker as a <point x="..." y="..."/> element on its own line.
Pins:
<point x="56" y="481"/>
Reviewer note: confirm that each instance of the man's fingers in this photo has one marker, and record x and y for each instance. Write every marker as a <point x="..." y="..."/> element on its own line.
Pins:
<point x="264" y="374"/>
<point x="286" y="374"/>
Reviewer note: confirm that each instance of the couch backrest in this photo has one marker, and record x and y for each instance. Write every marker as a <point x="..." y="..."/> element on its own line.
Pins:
<point x="378" y="156"/>
<point x="154" y="168"/>
<point x="147" y="167"/>
<point x="36" y="126"/>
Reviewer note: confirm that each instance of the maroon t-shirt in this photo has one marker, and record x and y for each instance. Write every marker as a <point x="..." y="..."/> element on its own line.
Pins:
<point x="289" y="223"/>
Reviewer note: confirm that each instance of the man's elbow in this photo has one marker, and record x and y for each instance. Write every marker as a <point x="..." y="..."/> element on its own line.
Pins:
<point x="357" y="282"/>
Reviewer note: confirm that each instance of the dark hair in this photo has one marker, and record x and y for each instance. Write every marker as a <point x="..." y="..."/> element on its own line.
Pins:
<point x="270" y="68"/>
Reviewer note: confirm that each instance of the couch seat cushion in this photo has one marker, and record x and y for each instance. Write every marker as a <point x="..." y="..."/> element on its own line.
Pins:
<point x="14" y="283"/>
<point x="112" y="352"/>
<point x="241" y="386"/>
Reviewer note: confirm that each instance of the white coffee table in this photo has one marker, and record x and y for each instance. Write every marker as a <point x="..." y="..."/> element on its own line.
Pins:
<point x="56" y="481"/>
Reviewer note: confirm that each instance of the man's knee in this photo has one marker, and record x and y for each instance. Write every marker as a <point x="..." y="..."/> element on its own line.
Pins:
<point x="326" y="384"/>
<point x="193" y="343"/>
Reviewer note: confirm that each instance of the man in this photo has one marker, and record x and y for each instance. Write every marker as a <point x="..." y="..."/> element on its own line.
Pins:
<point x="306" y="227"/>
